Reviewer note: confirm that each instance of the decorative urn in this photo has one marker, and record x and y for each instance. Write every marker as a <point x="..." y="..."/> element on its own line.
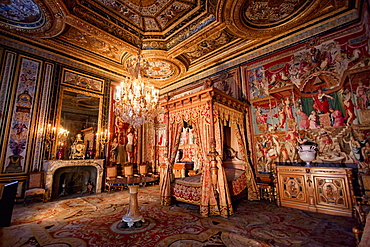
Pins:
<point x="307" y="152"/>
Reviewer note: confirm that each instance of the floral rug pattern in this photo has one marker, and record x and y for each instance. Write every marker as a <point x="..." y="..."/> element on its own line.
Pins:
<point x="95" y="220"/>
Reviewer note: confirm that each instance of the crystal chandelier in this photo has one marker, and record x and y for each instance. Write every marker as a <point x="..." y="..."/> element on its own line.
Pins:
<point x="136" y="101"/>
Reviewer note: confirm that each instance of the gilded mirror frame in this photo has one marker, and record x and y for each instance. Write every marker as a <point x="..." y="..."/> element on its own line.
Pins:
<point x="58" y="125"/>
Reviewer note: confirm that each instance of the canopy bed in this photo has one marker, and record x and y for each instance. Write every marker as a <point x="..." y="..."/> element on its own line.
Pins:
<point x="220" y="155"/>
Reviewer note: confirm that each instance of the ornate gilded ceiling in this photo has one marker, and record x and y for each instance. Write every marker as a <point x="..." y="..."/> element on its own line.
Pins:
<point x="179" y="38"/>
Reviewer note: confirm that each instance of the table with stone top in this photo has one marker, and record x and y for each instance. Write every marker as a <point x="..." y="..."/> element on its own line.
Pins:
<point x="133" y="215"/>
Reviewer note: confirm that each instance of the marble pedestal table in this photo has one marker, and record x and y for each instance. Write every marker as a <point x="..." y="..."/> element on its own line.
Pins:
<point x="133" y="214"/>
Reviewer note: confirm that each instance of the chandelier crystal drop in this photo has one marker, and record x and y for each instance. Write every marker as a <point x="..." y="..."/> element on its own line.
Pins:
<point x="136" y="101"/>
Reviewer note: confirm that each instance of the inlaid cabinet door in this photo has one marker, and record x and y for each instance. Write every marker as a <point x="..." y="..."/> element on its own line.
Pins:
<point x="293" y="188"/>
<point x="331" y="192"/>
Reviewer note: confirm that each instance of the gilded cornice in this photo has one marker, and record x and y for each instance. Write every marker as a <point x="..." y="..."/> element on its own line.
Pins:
<point x="107" y="26"/>
<point x="111" y="50"/>
<point x="209" y="44"/>
<point x="27" y="45"/>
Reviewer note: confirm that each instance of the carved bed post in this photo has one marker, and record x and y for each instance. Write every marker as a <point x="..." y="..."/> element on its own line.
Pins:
<point x="166" y="176"/>
<point x="212" y="152"/>
<point x="214" y="170"/>
<point x="167" y="131"/>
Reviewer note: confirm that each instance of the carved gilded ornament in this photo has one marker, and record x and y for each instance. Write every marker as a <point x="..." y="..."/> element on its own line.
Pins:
<point x="109" y="27"/>
<point x="212" y="43"/>
<point x="158" y="14"/>
<point x="112" y="50"/>
<point x="261" y="12"/>
<point x="160" y="69"/>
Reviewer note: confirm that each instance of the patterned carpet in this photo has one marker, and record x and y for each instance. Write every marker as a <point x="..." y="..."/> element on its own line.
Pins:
<point x="96" y="221"/>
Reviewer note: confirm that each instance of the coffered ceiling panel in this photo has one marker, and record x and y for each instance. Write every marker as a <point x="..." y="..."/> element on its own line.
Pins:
<point x="178" y="38"/>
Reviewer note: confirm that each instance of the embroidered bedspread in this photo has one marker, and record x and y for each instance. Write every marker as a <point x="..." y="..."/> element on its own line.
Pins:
<point x="188" y="189"/>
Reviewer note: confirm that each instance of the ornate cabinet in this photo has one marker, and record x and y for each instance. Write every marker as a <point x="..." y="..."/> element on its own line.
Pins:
<point x="319" y="189"/>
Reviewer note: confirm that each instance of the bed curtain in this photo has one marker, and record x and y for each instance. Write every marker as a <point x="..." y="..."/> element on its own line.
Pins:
<point x="215" y="200"/>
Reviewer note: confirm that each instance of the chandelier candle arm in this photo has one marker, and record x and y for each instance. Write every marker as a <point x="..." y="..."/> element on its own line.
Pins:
<point x="136" y="101"/>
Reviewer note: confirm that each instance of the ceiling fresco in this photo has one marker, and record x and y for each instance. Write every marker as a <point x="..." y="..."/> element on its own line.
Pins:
<point x="271" y="13"/>
<point x="22" y="13"/>
<point x="178" y="38"/>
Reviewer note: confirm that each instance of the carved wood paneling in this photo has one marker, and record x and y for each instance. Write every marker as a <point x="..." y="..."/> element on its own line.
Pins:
<point x="318" y="189"/>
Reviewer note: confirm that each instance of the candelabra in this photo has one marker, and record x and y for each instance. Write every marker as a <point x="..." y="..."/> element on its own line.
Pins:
<point x="50" y="136"/>
<point x="102" y="138"/>
<point x="62" y="134"/>
<point x="62" y="137"/>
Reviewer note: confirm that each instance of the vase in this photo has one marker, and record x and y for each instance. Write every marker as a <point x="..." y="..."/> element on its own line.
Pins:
<point x="307" y="152"/>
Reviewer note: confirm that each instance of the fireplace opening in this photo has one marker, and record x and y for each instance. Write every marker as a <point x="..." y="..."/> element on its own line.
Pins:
<point x="74" y="181"/>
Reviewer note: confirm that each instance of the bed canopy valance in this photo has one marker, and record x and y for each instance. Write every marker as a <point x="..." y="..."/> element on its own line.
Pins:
<point x="208" y="111"/>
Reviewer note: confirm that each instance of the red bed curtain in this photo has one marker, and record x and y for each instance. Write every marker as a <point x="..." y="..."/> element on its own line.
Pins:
<point x="208" y="202"/>
<point x="174" y="134"/>
<point x="225" y="204"/>
<point x="235" y="119"/>
<point x="214" y="200"/>
<point x="253" y="193"/>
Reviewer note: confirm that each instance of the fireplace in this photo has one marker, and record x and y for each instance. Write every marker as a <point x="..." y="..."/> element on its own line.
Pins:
<point x="73" y="180"/>
<point x="63" y="177"/>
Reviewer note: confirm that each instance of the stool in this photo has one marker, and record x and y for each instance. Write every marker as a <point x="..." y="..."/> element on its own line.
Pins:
<point x="266" y="188"/>
<point x="266" y="191"/>
<point x="129" y="170"/>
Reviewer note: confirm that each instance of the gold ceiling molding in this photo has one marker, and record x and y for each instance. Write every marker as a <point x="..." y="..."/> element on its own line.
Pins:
<point x="210" y="44"/>
<point x="155" y="25"/>
<point x="234" y="15"/>
<point x="106" y="25"/>
<point x="104" y="46"/>
<point x="162" y="69"/>
<point x="158" y="15"/>
<point x="190" y="48"/>
<point x="196" y="38"/>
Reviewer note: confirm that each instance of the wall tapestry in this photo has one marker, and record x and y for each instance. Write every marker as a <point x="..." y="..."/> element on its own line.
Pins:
<point x="317" y="91"/>
<point x="22" y="115"/>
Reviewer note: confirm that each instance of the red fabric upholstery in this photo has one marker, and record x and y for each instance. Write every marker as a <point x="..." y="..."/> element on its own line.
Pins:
<point x="188" y="189"/>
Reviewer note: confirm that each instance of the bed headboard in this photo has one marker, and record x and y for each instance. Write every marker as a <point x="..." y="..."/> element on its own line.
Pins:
<point x="234" y="164"/>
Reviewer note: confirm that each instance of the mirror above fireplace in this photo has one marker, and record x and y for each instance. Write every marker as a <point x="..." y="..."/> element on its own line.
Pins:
<point x="78" y="120"/>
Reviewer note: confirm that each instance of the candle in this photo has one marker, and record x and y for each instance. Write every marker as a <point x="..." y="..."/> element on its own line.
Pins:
<point x="54" y="129"/>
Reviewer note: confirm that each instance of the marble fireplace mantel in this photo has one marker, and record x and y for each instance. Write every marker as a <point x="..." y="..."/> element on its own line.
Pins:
<point x="50" y="166"/>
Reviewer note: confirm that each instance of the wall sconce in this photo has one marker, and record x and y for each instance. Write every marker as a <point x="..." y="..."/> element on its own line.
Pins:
<point x="51" y="133"/>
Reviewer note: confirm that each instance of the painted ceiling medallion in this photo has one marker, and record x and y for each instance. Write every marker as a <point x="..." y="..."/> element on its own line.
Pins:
<point x="160" y="69"/>
<point x="21" y="13"/>
<point x="41" y="18"/>
<point x="261" y="12"/>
